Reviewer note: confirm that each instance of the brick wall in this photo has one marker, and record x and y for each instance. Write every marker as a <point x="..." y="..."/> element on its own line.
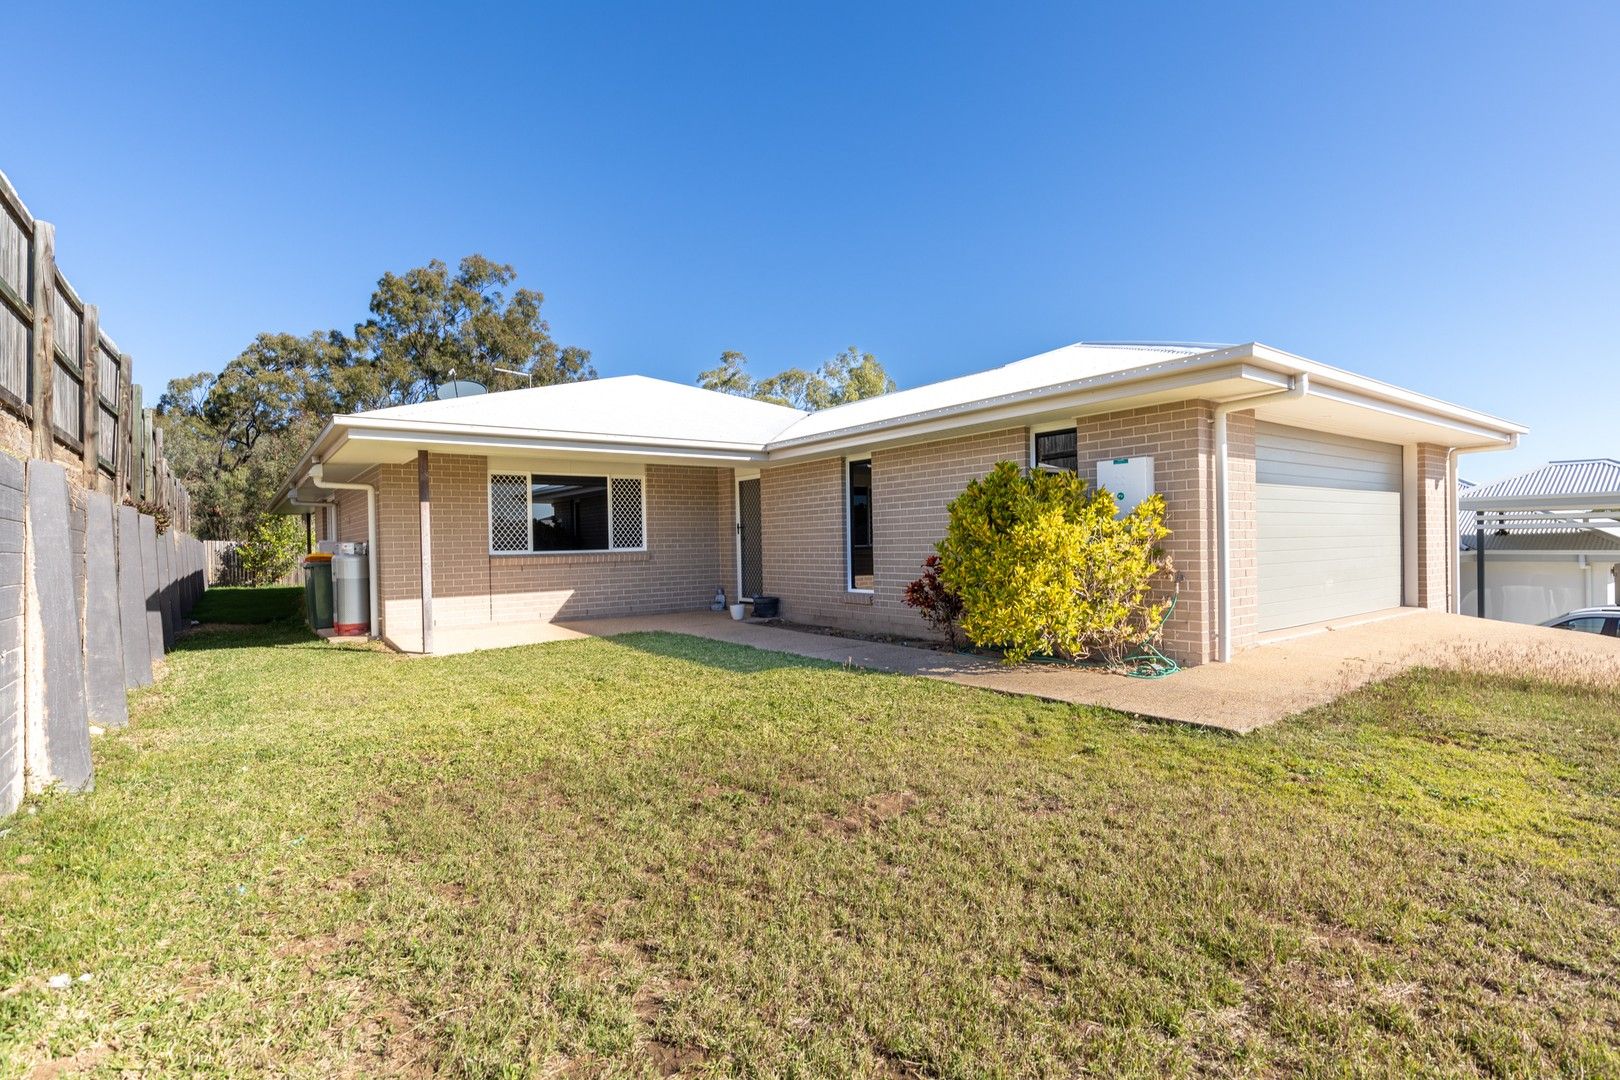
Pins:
<point x="678" y="572"/>
<point x="803" y="527"/>
<point x="1434" y="527"/>
<point x="802" y="541"/>
<point x="1179" y="437"/>
<point x="912" y="487"/>
<point x="1243" y="525"/>
<point x="351" y="510"/>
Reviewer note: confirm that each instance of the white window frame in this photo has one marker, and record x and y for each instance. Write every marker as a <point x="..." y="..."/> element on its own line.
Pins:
<point x="849" y="545"/>
<point x="1035" y="443"/>
<point x="562" y="468"/>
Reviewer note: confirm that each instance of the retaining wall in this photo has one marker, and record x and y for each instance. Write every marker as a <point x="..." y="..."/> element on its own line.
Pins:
<point x="85" y="602"/>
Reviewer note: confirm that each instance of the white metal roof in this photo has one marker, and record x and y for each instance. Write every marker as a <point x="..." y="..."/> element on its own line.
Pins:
<point x="1071" y="363"/>
<point x="625" y="406"/>
<point x="636" y="415"/>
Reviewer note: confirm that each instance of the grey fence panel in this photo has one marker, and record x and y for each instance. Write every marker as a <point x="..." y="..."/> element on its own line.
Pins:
<point x="166" y="586"/>
<point x="57" y="733"/>
<point x="103" y="637"/>
<point x="11" y="634"/>
<point x="152" y="594"/>
<point x="76" y="540"/>
<point x="132" y="599"/>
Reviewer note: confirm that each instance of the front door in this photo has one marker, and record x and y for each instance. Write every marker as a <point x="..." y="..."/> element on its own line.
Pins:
<point x="750" y="552"/>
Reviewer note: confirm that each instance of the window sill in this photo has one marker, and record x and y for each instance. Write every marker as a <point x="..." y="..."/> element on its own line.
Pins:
<point x="859" y="597"/>
<point x="570" y="558"/>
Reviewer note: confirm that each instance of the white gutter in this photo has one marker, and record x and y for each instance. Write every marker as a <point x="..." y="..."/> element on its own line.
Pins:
<point x="319" y="481"/>
<point x="1298" y="387"/>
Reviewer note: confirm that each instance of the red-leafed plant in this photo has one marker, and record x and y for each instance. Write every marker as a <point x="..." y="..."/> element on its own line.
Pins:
<point x="940" y="607"/>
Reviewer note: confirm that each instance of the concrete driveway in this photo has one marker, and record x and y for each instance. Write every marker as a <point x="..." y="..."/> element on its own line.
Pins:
<point x="1260" y="687"/>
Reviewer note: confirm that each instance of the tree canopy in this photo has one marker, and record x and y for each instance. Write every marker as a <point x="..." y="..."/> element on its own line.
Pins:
<point x="849" y="376"/>
<point x="232" y="437"/>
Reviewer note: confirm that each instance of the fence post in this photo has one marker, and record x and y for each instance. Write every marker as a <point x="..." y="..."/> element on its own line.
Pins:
<point x="121" y="442"/>
<point x="43" y="271"/>
<point x="89" y="408"/>
<point x="137" y="443"/>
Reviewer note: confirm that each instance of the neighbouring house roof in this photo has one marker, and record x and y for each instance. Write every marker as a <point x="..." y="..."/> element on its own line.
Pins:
<point x="651" y="418"/>
<point x="1579" y="476"/>
<point x="1569" y="507"/>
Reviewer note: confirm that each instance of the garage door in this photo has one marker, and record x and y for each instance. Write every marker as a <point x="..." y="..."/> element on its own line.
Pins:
<point x="1330" y="526"/>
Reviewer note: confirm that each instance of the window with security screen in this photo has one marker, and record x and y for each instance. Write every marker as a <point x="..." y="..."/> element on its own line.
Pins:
<point x="540" y="513"/>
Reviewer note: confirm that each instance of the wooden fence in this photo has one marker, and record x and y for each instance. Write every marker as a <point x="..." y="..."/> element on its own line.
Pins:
<point x="66" y="392"/>
<point x="224" y="566"/>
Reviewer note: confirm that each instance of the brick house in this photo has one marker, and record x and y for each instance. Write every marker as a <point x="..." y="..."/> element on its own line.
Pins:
<point x="1297" y="493"/>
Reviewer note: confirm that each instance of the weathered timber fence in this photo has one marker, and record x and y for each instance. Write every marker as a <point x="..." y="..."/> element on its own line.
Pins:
<point x="92" y="590"/>
<point x="66" y="393"/>
<point x="91" y="595"/>
<point x="224" y="566"/>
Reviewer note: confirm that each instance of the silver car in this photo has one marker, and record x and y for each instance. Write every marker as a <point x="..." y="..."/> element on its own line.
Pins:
<point x="1591" y="620"/>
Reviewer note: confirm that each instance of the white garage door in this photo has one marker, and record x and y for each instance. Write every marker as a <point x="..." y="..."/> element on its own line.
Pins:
<point x="1330" y="526"/>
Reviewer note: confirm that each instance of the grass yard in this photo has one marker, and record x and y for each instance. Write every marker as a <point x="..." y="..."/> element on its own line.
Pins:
<point x="239" y="606"/>
<point x="660" y="854"/>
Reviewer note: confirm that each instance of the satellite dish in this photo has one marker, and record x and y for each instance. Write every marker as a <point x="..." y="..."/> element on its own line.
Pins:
<point x="459" y="388"/>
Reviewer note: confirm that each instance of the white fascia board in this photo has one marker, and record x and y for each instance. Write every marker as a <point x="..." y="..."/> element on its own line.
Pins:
<point x="503" y="441"/>
<point x="1486" y="437"/>
<point x="296" y="477"/>
<point x="428" y="431"/>
<point x="1327" y="375"/>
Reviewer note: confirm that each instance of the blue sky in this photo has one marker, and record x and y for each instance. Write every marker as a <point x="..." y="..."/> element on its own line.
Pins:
<point x="1422" y="193"/>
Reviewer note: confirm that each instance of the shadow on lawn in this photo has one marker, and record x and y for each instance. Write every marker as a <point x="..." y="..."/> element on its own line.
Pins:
<point x="724" y="655"/>
<point x="227" y="635"/>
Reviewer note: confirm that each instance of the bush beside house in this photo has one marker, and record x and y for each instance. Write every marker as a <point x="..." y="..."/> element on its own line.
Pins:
<point x="1038" y="563"/>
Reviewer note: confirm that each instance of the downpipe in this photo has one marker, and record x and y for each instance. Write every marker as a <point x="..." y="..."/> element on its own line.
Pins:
<point x="316" y="477"/>
<point x="1298" y="387"/>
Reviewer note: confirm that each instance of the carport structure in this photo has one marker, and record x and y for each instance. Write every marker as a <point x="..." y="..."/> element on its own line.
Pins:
<point x="1541" y="542"/>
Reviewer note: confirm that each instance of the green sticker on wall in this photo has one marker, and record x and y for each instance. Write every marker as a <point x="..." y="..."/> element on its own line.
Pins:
<point x="1120" y="495"/>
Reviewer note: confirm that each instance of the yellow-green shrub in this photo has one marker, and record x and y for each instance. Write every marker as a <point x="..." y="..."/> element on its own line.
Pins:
<point x="1042" y="565"/>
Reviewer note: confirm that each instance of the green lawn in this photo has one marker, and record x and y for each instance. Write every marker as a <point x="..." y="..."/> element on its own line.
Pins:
<point x="658" y="853"/>
<point x="232" y="605"/>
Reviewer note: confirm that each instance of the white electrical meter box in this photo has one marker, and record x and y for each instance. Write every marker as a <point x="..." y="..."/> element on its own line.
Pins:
<point x="1128" y="479"/>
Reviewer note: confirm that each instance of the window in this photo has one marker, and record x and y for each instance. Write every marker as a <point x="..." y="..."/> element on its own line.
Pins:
<point x="1056" y="450"/>
<point x="1590" y="624"/>
<point x="552" y="512"/>
<point x="860" y="525"/>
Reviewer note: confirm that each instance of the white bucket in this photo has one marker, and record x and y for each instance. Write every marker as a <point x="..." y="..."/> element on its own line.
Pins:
<point x="738" y="611"/>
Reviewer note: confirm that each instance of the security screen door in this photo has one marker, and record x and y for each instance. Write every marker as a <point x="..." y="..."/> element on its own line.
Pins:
<point x="750" y="571"/>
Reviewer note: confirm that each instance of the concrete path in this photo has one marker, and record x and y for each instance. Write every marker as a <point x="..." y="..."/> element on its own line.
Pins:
<point x="1260" y="687"/>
